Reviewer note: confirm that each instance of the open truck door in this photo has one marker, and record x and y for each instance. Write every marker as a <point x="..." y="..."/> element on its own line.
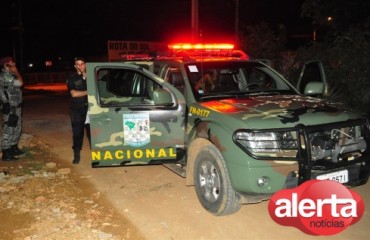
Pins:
<point x="135" y="117"/>
<point x="312" y="80"/>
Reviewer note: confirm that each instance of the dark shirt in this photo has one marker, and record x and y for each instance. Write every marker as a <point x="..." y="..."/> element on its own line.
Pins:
<point x="76" y="82"/>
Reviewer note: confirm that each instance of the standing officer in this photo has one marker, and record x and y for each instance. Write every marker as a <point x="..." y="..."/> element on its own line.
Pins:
<point x="11" y="83"/>
<point x="77" y="87"/>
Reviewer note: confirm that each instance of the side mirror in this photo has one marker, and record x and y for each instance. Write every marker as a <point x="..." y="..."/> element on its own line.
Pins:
<point x="314" y="88"/>
<point x="162" y="97"/>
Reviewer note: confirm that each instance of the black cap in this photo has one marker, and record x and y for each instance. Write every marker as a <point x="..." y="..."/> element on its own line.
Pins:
<point x="80" y="59"/>
<point x="5" y="60"/>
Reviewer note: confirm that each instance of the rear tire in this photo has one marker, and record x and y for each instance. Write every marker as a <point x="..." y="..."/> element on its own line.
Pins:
<point x="212" y="183"/>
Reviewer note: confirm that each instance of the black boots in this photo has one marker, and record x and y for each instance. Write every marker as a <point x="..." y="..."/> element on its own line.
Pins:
<point x="12" y="153"/>
<point x="76" y="156"/>
<point x="16" y="151"/>
<point x="8" y="155"/>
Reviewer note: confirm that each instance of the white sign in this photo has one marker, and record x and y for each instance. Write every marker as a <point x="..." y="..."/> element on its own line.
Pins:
<point x="117" y="50"/>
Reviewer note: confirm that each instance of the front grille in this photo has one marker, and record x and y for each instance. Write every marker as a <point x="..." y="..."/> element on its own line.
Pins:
<point x="337" y="144"/>
<point x="332" y="146"/>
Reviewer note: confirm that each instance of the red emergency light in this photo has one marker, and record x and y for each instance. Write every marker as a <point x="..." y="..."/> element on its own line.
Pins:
<point x="201" y="46"/>
<point x="206" y="51"/>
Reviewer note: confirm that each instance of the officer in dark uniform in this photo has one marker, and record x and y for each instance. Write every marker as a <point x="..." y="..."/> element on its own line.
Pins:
<point x="77" y="87"/>
<point x="11" y="83"/>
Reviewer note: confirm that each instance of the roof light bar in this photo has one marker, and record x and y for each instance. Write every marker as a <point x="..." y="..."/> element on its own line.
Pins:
<point x="201" y="46"/>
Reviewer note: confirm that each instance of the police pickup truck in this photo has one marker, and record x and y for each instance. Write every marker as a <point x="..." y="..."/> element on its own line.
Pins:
<point x="233" y="127"/>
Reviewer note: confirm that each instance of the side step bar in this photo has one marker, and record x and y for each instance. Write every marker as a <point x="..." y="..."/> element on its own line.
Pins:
<point x="176" y="168"/>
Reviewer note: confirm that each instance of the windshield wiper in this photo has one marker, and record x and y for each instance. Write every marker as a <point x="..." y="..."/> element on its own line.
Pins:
<point x="220" y="95"/>
<point x="263" y="93"/>
<point x="239" y="94"/>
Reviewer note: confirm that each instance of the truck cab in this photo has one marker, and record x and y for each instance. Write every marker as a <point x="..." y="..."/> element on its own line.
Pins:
<point x="232" y="126"/>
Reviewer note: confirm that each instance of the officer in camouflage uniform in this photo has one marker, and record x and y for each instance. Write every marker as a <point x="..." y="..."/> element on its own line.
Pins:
<point x="11" y="98"/>
<point x="77" y="87"/>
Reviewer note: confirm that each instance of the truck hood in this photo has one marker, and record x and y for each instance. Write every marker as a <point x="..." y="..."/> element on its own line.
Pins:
<point x="280" y="110"/>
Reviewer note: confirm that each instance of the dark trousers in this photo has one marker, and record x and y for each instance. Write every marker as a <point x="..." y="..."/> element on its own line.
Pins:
<point x="78" y="117"/>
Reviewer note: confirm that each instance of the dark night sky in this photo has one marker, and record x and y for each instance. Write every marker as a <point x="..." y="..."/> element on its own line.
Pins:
<point x="69" y="28"/>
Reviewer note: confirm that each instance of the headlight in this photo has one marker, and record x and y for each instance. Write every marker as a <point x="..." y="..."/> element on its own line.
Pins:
<point x="258" y="142"/>
<point x="269" y="144"/>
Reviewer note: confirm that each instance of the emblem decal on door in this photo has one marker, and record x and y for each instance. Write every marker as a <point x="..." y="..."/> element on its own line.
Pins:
<point x="136" y="129"/>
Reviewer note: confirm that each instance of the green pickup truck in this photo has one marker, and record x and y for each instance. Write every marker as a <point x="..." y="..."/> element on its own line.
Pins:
<point x="232" y="126"/>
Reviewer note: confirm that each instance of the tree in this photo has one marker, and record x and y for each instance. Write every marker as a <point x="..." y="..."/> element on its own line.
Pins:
<point x="343" y="48"/>
<point x="261" y="42"/>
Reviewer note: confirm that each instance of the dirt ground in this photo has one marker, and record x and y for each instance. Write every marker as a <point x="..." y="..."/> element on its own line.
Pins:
<point x="43" y="199"/>
<point x="44" y="196"/>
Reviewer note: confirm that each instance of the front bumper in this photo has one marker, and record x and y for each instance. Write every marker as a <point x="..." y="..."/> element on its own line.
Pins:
<point x="358" y="174"/>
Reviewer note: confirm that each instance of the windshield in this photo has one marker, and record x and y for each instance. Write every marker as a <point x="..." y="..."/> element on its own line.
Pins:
<point x="224" y="79"/>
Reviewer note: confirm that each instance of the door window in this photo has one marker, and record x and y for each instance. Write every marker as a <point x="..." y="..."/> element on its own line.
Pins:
<point x="122" y="87"/>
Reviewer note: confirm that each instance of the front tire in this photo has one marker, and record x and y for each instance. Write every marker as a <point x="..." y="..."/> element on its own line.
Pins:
<point x="212" y="183"/>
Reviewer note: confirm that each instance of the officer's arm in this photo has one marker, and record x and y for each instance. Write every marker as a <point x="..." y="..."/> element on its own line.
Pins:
<point x="76" y="93"/>
<point x="18" y="76"/>
<point x="3" y="97"/>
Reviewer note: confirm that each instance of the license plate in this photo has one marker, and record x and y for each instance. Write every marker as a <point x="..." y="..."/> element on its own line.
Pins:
<point x="340" y="176"/>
